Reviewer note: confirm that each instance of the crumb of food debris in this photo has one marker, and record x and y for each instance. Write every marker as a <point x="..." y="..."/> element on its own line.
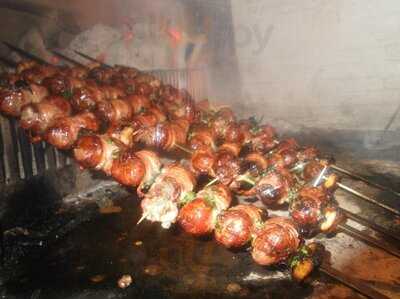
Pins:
<point x="97" y="278"/>
<point x="397" y="220"/>
<point x="110" y="210"/>
<point x="121" y="238"/>
<point x="138" y="243"/>
<point x="125" y="281"/>
<point x="233" y="288"/>
<point x="152" y="270"/>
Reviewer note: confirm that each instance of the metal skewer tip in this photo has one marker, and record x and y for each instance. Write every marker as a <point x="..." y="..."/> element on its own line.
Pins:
<point x="363" y="179"/>
<point x="184" y="149"/>
<point x="142" y="218"/>
<point x="353" y="283"/>
<point x="369" y="199"/>
<point x="212" y="182"/>
<point x="92" y="59"/>
<point x="26" y="54"/>
<point x="67" y="59"/>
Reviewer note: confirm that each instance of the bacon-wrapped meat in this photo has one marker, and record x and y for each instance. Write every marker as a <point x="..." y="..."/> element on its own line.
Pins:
<point x="97" y="152"/>
<point x="114" y="111"/>
<point x="312" y="170"/>
<point x="234" y="134"/>
<point x="226" y="167"/>
<point x="152" y="166"/>
<point x="245" y="127"/>
<point x="238" y="225"/>
<point x="198" y="217"/>
<point x="101" y="74"/>
<point x="150" y="118"/>
<point x="138" y="103"/>
<point x="164" y="136"/>
<point x="222" y="119"/>
<point x="170" y="187"/>
<point x="57" y="84"/>
<point x="201" y="136"/>
<point x="38" y="117"/>
<point x="128" y="169"/>
<point x="275" y="187"/>
<point x="256" y="163"/>
<point x="124" y="132"/>
<point x="308" y="154"/>
<point x="147" y="85"/>
<point x="263" y="139"/>
<point x="230" y="148"/>
<point x="283" y="159"/>
<point x="8" y="80"/>
<point x="180" y="105"/>
<point x="77" y="72"/>
<point x="65" y="132"/>
<point x="25" y="65"/>
<point x="202" y="161"/>
<point x="275" y="242"/>
<point x="87" y="98"/>
<point x="125" y="73"/>
<point x="112" y="92"/>
<point x="313" y="209"/>
<point x="38" y="73"/>
<point x="14" y="99"/>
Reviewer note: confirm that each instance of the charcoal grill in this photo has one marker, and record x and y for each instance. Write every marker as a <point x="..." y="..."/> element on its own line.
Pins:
<point x="68" y="233"/>
<point x="56" y="243"/>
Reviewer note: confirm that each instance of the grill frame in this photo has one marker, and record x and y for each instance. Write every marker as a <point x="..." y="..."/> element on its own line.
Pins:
<point x="20" y="160"/>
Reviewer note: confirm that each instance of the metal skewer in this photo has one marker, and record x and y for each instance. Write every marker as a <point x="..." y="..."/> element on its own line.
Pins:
<point x="369" y="224"/>
<point x="360" y="178"/>
<point x="26" y="54"/>
<point x="8" y="62"/>
<point x="67" y="59"/>
<point x="353" y="283"/>
<point x="369" y="199"/>
<point x="368" y="239"/>
<point x="93" y="59"/>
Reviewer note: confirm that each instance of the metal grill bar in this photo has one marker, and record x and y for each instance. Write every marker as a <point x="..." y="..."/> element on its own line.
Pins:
<point x="26" y="152"/>
<point x="50" y="155"/>
<point x="13" y="153"/>
<point x="38" y="150"/>
<point x="2" y="162"/>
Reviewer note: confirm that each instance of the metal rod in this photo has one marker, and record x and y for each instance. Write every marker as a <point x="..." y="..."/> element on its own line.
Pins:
<point x="8" y="62"/>
<point x="360" y="178"/>
<point x="26" y="54"/>
<point x="369" y="224"/>
<point x="184" y="149"/>
<point x="367" y="198"/>
<point x="93" y="59"/>
<point x="368" y="239"/>
<point x="67" y="59"/>
<point x="353" y="283"/>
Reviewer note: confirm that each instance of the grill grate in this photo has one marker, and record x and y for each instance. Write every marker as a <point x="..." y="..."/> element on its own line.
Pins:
<point x="21" y="160"/>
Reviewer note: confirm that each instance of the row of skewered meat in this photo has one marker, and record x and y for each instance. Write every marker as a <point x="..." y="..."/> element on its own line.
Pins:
<point x="118" y="121"/>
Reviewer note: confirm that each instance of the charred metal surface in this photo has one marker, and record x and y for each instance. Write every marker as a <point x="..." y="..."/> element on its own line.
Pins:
<point x="89" y="260"/>
<point x="12" y="154"/>
<point x="26" y="153"/>
<point x="2" y="157"/>
<point x="38" y="151"/>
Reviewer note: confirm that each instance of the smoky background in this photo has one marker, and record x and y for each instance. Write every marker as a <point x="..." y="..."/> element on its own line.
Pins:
<point x="325" y="71"/>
